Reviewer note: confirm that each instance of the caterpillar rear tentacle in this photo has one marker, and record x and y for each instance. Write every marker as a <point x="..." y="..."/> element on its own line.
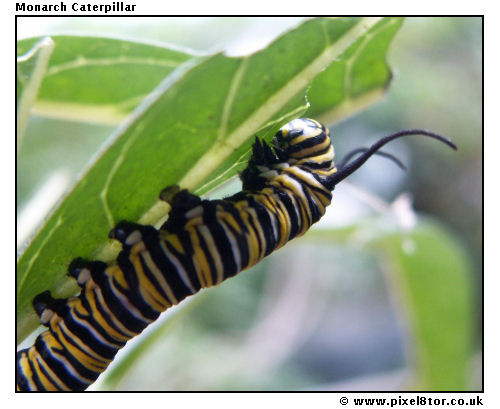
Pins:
<point x="286" y="189"/>
<point x="348" y="156"/>
<point x="351" y="167"/>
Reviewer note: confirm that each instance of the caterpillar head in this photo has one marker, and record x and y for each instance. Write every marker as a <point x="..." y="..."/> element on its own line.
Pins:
<point x="301" y="141"/>
<point x="301" y="138"/>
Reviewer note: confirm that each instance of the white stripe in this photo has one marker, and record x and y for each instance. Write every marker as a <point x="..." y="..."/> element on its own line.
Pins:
<point x="214" y="252"/>
<point x="195" y="212"/>
<point x="69" y="368"/>
<point x="178" y="266"/>
<point x="307" y="176"/>
<point x="272" y="215"/>
<point x="235" y="250"/>
<point x="126" y="304"/>
<point x="99" y="300"/>
<point x="94" y="333"/>
<point x="82" y="346"/>
<point x="159" y="276"/>
<point x="51" y="374"/>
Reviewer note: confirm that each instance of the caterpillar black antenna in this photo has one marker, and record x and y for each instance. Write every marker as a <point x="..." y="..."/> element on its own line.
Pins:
<point x="355" y="164"/>
<point x="348" y="156"/>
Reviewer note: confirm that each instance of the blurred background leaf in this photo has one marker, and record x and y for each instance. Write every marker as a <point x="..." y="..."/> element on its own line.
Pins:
<point x="432" y="277"/>
<point x="349" y="314"/>
<point x="94" y="79"/>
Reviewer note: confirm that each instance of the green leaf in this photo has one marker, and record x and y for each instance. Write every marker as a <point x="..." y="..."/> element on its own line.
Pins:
<point x="432" y="275"/>
<point x="352" y="83"/>
<point x="191" y="129"/>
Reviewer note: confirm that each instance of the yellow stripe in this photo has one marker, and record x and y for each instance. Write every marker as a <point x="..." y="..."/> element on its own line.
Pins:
<point x="270" y="204"/>
<point x="47" y="384"/>
<point x="325" y="157"/>
<point x="159" y="277"/>
<point x="173" y="239"/>
<point x="278" y="208"/>
<point x="200" y="261"/>
<point x="148" y="291"/>
<point x="90" y="359"/>
<point x="79" y="310"/>
<point x="81" y="356"/>
<point x="305" y="137"/>
<point x="297" y="195"/>
<point x="261" y="236"/>
<point x="97" y="316"/>
<point x="250" y="236"/>
<point x="214" y="252"/>
<point x="309" y="152"/>
<point x="26" y="369"/>
<point x="193" y="223"/>
<point x="114" y="271"/>
<point x="223" y="214"/>
<point x="36" y="359"/>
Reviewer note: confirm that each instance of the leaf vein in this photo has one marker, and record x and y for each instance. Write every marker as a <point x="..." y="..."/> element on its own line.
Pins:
<point x="37" y="253"/>
<point x="84" y="61"/>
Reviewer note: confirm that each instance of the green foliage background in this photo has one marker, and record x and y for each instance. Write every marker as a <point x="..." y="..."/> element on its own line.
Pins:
<point x="430" y="272"/>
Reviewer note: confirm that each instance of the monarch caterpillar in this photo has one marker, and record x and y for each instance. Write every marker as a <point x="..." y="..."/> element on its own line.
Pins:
<point x="286" y="189"/>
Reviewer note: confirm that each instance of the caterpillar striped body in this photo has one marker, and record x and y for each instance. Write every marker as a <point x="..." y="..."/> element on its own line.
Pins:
<point x="286" y="189"/>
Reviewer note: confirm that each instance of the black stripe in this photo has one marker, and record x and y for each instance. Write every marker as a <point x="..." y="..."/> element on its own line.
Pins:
<point x="285" y="199"/>
<point x="265" y="223"/>
<point x="21" y="380"/>
<point x="312" y="155"/>
<point x="150" y="240"/>
<point x="308" y="143"/>
<point x="221" y="240"/>
<point x="115" y="307"/>
<point x="89" y="338"/>
<point x="55" y="383"/>
<point x="208" y="256"/>
<point x="36" y="377"/>
<point x="311" y="201"/>
<point x="255" y="224"/>
<point x="169" y="271"/>
<point x="58" y="367"/>
<point x="313" y="164"/>
<point x="167" y="268"/>
<point x="79" y="367"/>
<point x="154" y="281"/>
<point x="133" y="294"/>
<point x="323" y="191"/>
<point x="301" y="206"/>
<point x="228" y="206"/>
<point x="274" y="219"/>
<point x="186" y="258"/>
<point x="93" y="343"/>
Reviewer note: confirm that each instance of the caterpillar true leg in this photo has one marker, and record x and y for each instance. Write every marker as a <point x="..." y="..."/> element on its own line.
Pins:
<point x="179" y="199"/>
<point x="82" y="269"/>
<point x="45" y="306"/>
<point x="182" y="203"/>
<point x="128" y="233"/>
